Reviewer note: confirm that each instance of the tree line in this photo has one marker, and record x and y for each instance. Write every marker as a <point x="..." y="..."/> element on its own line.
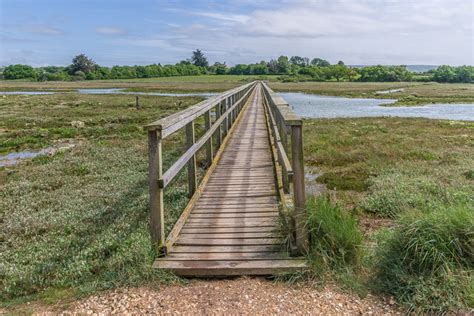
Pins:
<point x="295" y="68"/>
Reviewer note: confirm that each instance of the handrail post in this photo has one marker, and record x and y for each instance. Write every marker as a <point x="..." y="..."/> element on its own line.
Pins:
<point x="190" y="139"/>
<point x="229" y="117"/>
<point x="219" y="129"/>
<point x="209" y="149"/>
<point x="298" y="187"/>
<point x="155" y="172"/>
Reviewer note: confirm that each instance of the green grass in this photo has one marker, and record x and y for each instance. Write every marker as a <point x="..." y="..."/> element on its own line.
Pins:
<point x="359" y="157"/>
<point x="77" y="222"/>
<point x="335" y="238"/>
<point x="32" y="122"/>
<point x="426" y="261"/>
<point x="204" y="83"/>
<point x="416" y="172"/>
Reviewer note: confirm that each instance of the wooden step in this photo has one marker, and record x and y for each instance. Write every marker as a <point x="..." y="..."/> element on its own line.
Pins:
<point x="230" y="267"/>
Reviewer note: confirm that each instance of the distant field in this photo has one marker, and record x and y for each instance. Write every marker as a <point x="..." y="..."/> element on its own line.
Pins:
<point x="206" y="83"/>
<point x="413" y="93"/>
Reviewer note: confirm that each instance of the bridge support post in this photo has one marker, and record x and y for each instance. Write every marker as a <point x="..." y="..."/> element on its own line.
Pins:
<point x="219" y="129"/>
<point x="209" y="149"/>
<point x="190" y="139"/>
<point x="155" y="173"/>
<point x="298" y="188"/>
<point x="229" y="117"/>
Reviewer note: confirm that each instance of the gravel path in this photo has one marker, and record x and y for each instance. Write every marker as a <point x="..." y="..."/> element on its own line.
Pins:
<point x="254" y="296"/>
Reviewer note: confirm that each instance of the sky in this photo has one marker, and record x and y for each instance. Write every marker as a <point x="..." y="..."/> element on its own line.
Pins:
<point x="138" y="32"/>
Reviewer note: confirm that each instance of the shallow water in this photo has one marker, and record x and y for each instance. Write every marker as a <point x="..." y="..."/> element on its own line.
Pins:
<point x="27" y="92"/>
<point x="161" y="94"/>
<point x="389" y="91"/>
<point x="14" y="158"/>
<point x="317" y="106"/>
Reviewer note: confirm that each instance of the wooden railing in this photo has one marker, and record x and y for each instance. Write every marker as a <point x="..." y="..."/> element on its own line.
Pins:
<point x="286" y="127"/>
<point x="226" y="108"/>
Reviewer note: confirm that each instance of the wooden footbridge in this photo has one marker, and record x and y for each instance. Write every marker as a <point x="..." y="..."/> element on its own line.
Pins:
<point x="247" y="215"/>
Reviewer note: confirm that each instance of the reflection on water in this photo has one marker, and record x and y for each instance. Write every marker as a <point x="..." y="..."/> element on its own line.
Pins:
<point x="317" y="106"/>
<point x="27" y="92"/>
<point x="12" y="159"/>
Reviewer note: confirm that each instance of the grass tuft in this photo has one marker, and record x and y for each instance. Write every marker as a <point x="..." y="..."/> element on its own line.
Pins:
<point x="426" y="261"/>
<point x="335" y="239"/>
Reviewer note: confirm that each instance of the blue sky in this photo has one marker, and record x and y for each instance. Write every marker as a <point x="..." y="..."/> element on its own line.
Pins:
<point x="40" y="32"/>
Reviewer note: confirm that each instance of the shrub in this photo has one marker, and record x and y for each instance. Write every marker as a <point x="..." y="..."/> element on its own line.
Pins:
<point x="19" y="72"/>
<point x="335" y="239"/>
<point x="426" y="261"/>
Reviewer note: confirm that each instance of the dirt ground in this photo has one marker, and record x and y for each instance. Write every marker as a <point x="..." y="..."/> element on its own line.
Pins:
<point x="249" y="296"/>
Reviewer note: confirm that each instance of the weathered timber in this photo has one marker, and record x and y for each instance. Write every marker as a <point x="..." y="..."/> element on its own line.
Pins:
<point x="231" y="224"/>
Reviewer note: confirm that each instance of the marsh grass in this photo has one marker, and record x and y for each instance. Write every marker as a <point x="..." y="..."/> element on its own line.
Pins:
<point x="77" y="222"/>
<point x="426" y="261"/>
<point x="417" y="173"/>
<point x="370" y="156"/>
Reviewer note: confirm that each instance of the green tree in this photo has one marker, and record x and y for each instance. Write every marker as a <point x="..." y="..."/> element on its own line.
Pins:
<point x="299" y="61"/>
<point x="219" y="68"/>
<point x="19" y="72"/>
<point x="82" y="63"/>
<point x="465" y="74"/>
<point x="338" y="71"/>
<point x="283" y="65"/>
<point x="272" y="66"/>
<point x="444" y="74"/>
<point x="320" y="62"/>
<point x="199" y="59"/>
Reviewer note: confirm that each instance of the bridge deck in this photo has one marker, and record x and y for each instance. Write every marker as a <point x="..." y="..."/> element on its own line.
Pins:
<point x="233" y="229"/>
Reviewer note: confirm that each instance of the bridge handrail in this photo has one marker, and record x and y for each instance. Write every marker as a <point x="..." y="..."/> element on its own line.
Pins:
<point x="226" y="107"/>
<point x="284" y="125"/>
<point x="172" y="123"/>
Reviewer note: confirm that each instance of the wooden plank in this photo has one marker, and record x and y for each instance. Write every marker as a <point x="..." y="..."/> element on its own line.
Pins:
<point x="194" y="241"/>
<point x="239" y="200"/>
<point x="192" y="176"/>
<point x="234" y="215"/>
<point x="230" y="256"/>
<point x="226" y="224"/>
<point x="299" y="188"/>
<point x="233" y="235"/>
<point x="227" y="249"/>
<point x="233" y="221"/>
<point x="227" y="230"/>
<point x="214" y="211"/>
<point x="155" y="169"/>
<point x="231" y="267"/>
<point x="209" y="146"/>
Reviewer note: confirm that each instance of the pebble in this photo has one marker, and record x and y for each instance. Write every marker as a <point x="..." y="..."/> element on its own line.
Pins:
<point x="247" y="296"/>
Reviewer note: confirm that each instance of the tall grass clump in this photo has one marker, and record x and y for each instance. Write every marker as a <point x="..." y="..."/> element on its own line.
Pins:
<point x="427" y="261"/>
<point x="335" y="239"/>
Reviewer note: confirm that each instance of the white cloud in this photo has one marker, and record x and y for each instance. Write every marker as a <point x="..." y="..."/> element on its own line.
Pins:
<point x="360" y="32"/>
<point x="224" y="16"/>
<point x="107" y="30"/>
<point x="45" y="30"/>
